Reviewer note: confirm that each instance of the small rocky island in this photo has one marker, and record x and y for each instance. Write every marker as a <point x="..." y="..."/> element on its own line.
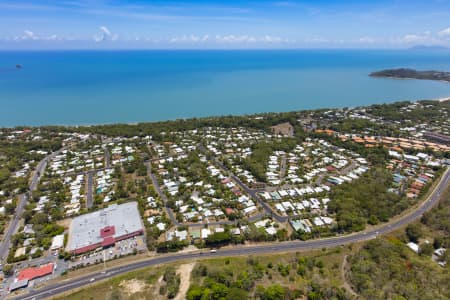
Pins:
<point x="404" y="73"/>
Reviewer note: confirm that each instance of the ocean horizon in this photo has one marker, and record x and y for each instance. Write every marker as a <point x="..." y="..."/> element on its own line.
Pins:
<point x="88" y="87"/>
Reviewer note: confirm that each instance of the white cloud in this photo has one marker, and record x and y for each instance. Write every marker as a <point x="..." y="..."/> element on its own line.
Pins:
<point x="97" y="38"/>
<point x="106" y="35"/>
<point x="249" y="39"/>
<point x="105" y="30"/>
<point x="231" y="38"/>
<point x="366" y="40"/>
<point x="187" y="39"/>
<point x="423" y="38"/>
<point x="29" y="35"/>
<point x="198" y="39"/>
<point x="413" y="38"/>
<point x="313" y="40"/>
<point x="445" y="32"/>
<point x="227" y="39"/>
<point x="272" y="39"/>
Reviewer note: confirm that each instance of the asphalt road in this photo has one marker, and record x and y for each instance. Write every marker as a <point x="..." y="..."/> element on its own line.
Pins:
<point x="253" y="193"/>
<point x="68" y="285"/>
<point x="107" y="158"/>
<point x="161" y="194"/>
<point x="89" y="189"/>
<point x="13" y="225"/>
<point x="4" y="246"/>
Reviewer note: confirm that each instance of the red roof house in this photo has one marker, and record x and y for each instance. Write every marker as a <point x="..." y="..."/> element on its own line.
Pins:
<point x="33" y="273"/>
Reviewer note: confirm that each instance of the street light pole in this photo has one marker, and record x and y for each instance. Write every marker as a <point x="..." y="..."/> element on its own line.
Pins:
<point x="104" y="260"/>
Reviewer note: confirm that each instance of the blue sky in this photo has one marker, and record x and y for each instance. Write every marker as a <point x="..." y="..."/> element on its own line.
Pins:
<point x="231" y="24"/>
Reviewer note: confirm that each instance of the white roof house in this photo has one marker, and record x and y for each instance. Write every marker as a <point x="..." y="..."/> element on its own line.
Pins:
<point x="57" y="242"/>
<point x="413" y="246"/>
<point x="205" y="232"/>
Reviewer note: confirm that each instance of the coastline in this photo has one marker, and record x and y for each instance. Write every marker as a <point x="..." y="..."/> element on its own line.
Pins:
<point x="249" y="115"/>
<point x="444" y="99"/>
<point x="408" y="78"/>
<point x="181" y="84"/>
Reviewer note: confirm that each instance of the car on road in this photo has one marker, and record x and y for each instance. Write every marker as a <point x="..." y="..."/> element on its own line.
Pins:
<point x="92" y="279"/>
<point x="213" y="251"/>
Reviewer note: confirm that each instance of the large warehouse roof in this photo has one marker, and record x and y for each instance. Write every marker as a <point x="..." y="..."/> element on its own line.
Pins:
<point x="114" y="221"/>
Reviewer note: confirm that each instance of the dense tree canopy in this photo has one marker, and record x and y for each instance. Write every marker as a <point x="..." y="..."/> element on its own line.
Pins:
<point x="385" y="269"/>
<point x="365" y="200"/>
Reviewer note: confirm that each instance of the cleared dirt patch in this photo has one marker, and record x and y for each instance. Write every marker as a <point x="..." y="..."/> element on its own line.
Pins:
<point x="155" y="289"/>
<point x="133" y="286"/>
<point x="65" y="222"/>
<point x="185" y="280"/>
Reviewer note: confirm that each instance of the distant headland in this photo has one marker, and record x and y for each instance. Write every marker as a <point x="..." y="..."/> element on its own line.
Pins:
<point x="404" y="73"/>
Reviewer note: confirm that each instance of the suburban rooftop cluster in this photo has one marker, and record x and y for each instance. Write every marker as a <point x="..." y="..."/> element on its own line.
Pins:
<point x="87" y="195"/>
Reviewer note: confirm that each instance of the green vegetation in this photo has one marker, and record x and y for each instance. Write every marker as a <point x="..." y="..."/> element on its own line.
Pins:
<point x="376" y="155"/>
<point x="387" y="269"/>
<point x="8" y="270"/>
<point x="117" y="287"/>
<point x="414" y="232"/>
<point x="170" y="246"/>
<point x="257" y="162"/>
<point x="256" y="277"/>
<point x="433" y="231"/>
<point x="172" y="283"/>
<point x="438" y="221"/>
<point x="283" y="276"/>
<point x="412" y="74"/>
<point x="365" y="200"/>
<point x="41" y="240"/>
<point x="429" y="111"/>
<point x="218" y="239"/>
<point x="15" y="155"/>
<point x="156" y="129"/>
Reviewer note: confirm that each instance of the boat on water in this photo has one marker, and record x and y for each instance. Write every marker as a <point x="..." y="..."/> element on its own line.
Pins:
<point x="18" y="66"/>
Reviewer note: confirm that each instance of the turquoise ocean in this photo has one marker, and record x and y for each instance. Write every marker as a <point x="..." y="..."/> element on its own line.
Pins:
<point x="97" y="87"/>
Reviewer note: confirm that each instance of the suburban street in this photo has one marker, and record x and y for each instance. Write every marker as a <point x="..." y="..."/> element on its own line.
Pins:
<point x="13" y="225"/>
<point x="276" y="247"/>
<point x="171" y="214"/>
<point x="89" y="189"/>
<point x="107" y="158"/>
<point x="253" y="193"/>
<point x="161" y="194"/>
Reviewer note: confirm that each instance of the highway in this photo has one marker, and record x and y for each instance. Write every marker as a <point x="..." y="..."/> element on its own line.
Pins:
<point x="276" y="247"/>
<point x="23" y="198"/>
